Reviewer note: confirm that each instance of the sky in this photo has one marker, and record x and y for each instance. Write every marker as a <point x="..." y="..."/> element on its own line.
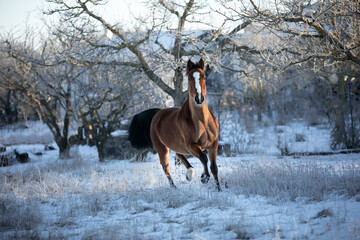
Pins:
<point x="14" y="14"/>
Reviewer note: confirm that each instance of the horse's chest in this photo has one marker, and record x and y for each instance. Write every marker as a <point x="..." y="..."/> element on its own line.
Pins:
<point x="206" y="135"/>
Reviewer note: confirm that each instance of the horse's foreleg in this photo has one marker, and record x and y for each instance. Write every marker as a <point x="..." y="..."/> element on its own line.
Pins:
<point x="213" y="166"/>
<point x="190" y="169"/>
<point x="196" y="151"/>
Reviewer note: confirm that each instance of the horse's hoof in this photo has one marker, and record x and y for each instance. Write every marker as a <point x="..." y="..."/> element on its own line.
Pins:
<point x="204" y="178"/>
<point x="190" y="174"/>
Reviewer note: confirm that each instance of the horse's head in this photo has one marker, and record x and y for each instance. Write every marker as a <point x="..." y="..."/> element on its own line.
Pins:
<point x="196" y="76"/>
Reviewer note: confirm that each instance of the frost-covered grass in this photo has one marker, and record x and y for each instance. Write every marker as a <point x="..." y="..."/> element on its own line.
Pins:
<point x="287" y="179"/>
<point x="263" y="197"/>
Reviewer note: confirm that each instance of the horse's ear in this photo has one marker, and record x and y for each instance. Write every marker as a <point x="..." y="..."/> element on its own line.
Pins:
<point x="201" y="64"/>
<point x="190" y="66"/>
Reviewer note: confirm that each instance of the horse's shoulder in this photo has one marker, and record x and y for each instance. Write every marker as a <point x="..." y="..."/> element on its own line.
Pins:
<point x="214" y="118"/>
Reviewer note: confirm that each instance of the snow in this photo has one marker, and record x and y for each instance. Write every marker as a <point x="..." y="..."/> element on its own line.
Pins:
<point x="271" y="140"/>
<point x="190" y="174"/>
<point x="26" y="132"/>
<point x="263" y="197"/>
<point x="118" y="133"/>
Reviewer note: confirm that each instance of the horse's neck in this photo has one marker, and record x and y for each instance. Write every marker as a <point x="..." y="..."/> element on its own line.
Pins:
<point x="198" y="114"/>
<point x="202" y="119"/>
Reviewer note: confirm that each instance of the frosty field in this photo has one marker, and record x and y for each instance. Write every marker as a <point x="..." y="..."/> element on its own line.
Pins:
<point x="264" y="197"/>
<point x="269" y="89"/>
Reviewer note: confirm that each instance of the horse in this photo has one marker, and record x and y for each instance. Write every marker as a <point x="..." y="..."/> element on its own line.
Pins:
<point x="190" y="129"/>
<point x="139" y="130"/>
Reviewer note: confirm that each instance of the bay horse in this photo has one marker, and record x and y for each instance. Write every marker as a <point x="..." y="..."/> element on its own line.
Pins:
<point x="190" y="129"/>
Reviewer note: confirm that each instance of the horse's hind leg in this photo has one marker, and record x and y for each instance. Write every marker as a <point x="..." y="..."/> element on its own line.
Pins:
<point x="190" y="169"/>
<point x="213" y="166"/>
<point x="164" y="161"/>
<point x="163" y="152"/>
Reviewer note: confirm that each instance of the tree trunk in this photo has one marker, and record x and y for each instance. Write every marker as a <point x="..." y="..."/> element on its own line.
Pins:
<point x="179" y="96"/>
<point x="64" y="147"/>
<point x="179" y="99"/>
<point x="259" y="113"/>
<point x="100" y="149"/>
<point x="338" y="134"/>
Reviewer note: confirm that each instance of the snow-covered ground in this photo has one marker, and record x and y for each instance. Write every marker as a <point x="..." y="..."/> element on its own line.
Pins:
<point x="26" y="133"/>
<point x="270" y="139"/>
<point x="264" y="196"/>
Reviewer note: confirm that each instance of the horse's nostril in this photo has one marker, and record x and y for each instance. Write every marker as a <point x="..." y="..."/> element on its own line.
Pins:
<point x="199" y="101"/>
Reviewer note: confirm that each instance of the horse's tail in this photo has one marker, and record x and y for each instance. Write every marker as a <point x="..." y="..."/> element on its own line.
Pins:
<point x="139" y="131"/>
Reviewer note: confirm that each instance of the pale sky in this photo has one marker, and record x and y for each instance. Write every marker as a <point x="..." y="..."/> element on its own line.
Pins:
<point x="16" y="13"/>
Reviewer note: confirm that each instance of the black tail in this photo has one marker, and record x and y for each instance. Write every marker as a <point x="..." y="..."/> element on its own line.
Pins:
<point x="139" y="131"/>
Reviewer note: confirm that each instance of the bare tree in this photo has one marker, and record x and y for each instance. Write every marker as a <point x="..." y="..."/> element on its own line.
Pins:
<point x="335" y="96"/>
<point x="102" y="98"/>
<point x="322" y="36"/>
<point x="67" y="94"/>
<point x="323" y="31"/>
<point x="145" y="48"/>
<point x="44" y="80"/>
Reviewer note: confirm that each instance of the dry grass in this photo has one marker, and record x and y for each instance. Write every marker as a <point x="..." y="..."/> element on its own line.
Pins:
<point x="284" y="181"/>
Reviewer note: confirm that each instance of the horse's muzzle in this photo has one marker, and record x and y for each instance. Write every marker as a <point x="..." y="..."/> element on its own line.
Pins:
<point x="199" y="101"/>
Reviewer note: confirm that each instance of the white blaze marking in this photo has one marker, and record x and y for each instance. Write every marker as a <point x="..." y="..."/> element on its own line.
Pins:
<point x="196" y="76"/>
<point x="190" y="174"/>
